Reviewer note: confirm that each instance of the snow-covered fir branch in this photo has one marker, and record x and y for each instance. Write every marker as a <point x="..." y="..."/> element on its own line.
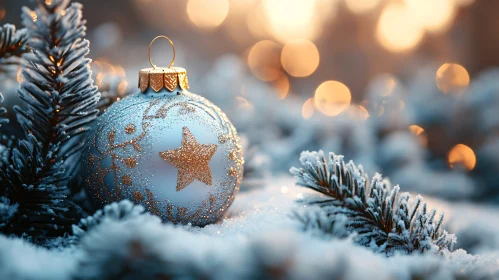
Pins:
<point x="60" y="103"/>
<point x="58" y="88"/>
<point x="3" y="119"/>
<point x="12" y="42"/>
<point x="7" y="211"/>
<point x="378" y="215"/>
<point x="116" y="211"/>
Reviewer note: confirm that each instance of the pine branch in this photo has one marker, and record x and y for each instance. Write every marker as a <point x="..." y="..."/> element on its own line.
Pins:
<point x="3" y="119"/>
<point x="60" y="104"/>
<point x="7" y="211"/>
<point x="7" y="143"/>
<point x="116" y="211"/>
<point x="319" y="222"/>
<point x="112" y="86"/>
<point x="375" y="211"/>
<point x="12" y="42"/>
<point x="58" y="88"/>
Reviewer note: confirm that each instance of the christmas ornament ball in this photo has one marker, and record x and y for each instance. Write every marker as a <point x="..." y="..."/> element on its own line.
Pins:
<point x="166" y="148"/>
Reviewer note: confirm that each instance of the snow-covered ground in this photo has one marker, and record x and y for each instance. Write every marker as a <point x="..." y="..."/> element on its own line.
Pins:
<point x="259" y="238"/>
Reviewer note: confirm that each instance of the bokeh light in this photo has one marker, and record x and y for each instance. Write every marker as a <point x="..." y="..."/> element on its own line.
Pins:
<point x="462" y="155"/>
<point x="282" y="86"/>
<point x="307" y="111"/>
<point x="385" y="95"/>
<point x="119" y="71"/>
<point x="19" y="75"/>
<point x="256" y="21"/>
<point x="98" y="79"/>
<point x="326" y="10"/>
<point x="332" y="97"/>
<point x="452" y="77"/>
<point x="363" y="113"/>
<point x="416" y="130"/>
<point x="464" y="2"/>
<point x="420" y="133"/>
<point x="292" y="19"/>
<point x="243" y="103"/>
<point x="383" y="85"/>
<point x="361" y="6"/>
<point x="264" y="60"/>
<point x="300" y="58"/>
<point x="33" y="16"/>
<point x="207" y="13"/>
<point x="122" y="87"/>
<point x="432" y="15"/>
<point x="395" y="31"/>
<point x="2" y="13"/>
<point x="242" y="7"/>
<point x="358" y="111"/>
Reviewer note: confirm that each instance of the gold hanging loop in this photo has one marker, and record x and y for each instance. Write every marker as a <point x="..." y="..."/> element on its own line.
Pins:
<point x="158" y="78"/>
<point x="173" y="48"/>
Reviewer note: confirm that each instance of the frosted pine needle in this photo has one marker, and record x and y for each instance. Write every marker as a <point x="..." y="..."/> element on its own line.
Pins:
<point x="376" y="212"/>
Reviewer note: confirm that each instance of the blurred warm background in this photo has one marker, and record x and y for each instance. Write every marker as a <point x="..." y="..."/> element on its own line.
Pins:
<point x="405" y="87"/>
<point x="293" y="44"/>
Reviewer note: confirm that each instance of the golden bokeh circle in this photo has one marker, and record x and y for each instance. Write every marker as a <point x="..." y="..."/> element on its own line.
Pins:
<point x="282" y="86"/>
<point x="395" y="31"/>
<point x="264" y="60"/>
<point x="332" y="98"/>
<point x="433" y="15"/>
<point x="420" y="133"/>
<point x="361" y="6"/>
<point x="452" y="77"/>
<point x="308" y="109"/>
<point x="207" y="13"/>
<point x="300" y="58"/>
<point x="462" y="155"/>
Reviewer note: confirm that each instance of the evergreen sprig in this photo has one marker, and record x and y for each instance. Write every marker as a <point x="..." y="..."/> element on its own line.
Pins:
<point x="116" y="211"/>
<point x="375" y="211"/>
<point x="58" y="88"/>
<point x="12" y="43"/>
<point x="60" y="100"/>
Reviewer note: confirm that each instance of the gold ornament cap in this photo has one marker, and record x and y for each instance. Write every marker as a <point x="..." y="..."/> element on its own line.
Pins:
<point x="160" y="77"/>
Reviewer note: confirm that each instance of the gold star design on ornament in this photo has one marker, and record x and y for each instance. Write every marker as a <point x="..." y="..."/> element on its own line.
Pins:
<point x="191" y="160"/>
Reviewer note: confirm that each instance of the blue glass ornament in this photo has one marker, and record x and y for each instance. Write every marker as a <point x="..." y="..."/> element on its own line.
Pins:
<point x="165" y="148"/>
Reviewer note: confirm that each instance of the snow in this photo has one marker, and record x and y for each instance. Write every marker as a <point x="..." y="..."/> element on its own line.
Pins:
<point x="21" y="260"/>
<point x="259" y="237"/>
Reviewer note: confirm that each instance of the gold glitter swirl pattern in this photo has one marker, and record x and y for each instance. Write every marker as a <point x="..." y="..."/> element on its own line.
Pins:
<point x="130" y="128"/>
<point x="116" y="168"/>
<point x="137" y="197"/>
<point x="126" y="180"/>
<point x="130" y="162"/>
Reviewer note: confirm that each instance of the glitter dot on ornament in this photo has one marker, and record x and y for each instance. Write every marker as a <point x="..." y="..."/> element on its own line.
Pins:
<point x="166" y="148"/>
<point x="130" y="128"/>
